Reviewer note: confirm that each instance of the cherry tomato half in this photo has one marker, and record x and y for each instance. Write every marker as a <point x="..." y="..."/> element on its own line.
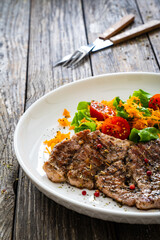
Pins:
<point x="117" y="127"/>
<point x="155" y="102"/>
<point x="100" y="111"/>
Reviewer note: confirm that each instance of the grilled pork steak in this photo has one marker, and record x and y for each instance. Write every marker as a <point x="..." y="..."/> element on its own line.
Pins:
<point x="95" y="160"/>
<point x="113" y="183"/>
<point x="143" y="164"/>
<point x="79" y="159"/>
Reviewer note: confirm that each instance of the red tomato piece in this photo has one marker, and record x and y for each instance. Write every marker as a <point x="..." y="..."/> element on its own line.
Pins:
<point x="117" y="127"/>
<point x="100" y="111"/>
<point x="154" y="102"/>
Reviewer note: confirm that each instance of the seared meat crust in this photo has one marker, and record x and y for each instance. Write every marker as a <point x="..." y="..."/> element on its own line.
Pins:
<point x="79" y="159"/>
<point x="144" y="158"/>
<point x="95" y="160"/>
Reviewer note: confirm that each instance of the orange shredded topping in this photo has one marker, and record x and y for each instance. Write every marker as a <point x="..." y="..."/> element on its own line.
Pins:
<point x="99" y="124"/>
<point x="109" y="103"/>
<point x="57" y="139"/>
<point x="84" y="120"/>
<point x="64" y="122"/>
<point x="94" y="119"/>
<point x="139" y="121"/>
<point x="66" y="113"/>
<point x="47" y="150"/>
<point x="71" y="127"/>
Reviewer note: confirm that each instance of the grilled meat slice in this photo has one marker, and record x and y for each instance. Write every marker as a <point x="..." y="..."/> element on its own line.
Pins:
<point x="79" y="159"/>
<point x="141" y="159"/>
<point x="93" y="159"/>
<point x="143" y="164"/>
<point x="114" y="183"/>
<point x="61" y="157"/>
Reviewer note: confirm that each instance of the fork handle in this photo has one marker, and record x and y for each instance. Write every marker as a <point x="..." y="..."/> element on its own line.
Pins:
<point x="134" y="32"/>
<point x="117" y="27"/>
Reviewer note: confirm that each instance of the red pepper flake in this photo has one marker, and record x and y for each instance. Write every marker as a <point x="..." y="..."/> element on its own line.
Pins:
<point x="132" y="186"/>
<point x="146" y="160"/>
<point x="3" y="191"/>
<point x="99" y="145"/>
<point x="149" y="173"/>
<point x="84" y="193"/>
<point x="96" y="194"/>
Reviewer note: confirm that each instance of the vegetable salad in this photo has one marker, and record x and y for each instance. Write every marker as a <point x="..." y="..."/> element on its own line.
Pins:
<point x="136" y="119"/>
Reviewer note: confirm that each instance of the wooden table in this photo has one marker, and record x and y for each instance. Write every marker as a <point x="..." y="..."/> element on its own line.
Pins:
<point x="33" y="35"/>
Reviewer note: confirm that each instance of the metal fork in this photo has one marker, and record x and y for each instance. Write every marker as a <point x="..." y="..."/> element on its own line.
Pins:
<point x="100" y="43"/>
<point x="78" y="55"/>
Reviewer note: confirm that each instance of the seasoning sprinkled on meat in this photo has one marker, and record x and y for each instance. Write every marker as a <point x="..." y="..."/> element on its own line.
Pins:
<point x="138" y="167"/>
<point x="79" y="159"/>
<point x="124" y="171"/>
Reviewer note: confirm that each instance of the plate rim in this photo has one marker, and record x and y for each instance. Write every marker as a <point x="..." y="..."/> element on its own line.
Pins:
<point x="46" y="189"/>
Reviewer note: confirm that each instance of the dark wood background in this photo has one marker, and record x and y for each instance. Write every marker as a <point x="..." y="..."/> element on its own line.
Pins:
<point x="33" y="35"/>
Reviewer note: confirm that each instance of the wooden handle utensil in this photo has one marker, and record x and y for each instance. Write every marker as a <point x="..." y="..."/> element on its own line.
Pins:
<point x="117" y="27"/>
<point x="134" y="32"/>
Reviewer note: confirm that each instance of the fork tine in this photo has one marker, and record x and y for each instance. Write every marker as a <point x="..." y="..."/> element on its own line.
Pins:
<point x="71" y="63"/>
<point x="84" y="52"/>
<point x="64" y="59"/>
<point x="73" y="60"/>
<point x="78" y="60"/>
<point x="74" y="55"/>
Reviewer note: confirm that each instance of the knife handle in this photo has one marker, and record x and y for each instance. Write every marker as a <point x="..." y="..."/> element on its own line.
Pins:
<point x="134" y="32"/>
<point x="117" y="27"/>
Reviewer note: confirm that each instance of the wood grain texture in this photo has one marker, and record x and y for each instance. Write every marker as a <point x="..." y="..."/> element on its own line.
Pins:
<point x="136" y="55"/>
<point x="136" y="32"/>
<point x="150" y="10"/>
<point x="14" y="26"/>
<point x="53" y="33"/>
<point x="130" y="56"/>
<point x="117" y="27"/>
<point x="56" y="29"/>
<point x="42" y="218"/>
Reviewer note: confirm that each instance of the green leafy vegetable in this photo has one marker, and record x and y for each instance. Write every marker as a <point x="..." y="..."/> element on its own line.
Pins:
<point x="83" y="105"/>
<point x="120" y="109"/>
<point x="145" y="111"/>
<point x="86" y="125"/>
<point x="143" y="96"/>
<point x="144" y="135"/>
<point x="144" y="99"/>
<point x="83" y="112"/>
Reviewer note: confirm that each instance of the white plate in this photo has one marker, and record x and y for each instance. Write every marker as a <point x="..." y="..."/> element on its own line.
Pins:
<point x="37" y="122"/>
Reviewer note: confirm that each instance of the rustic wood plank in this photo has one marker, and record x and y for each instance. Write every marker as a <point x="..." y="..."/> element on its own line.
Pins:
<point x="134" y="55"/>
<point x="137" y="232"/>
<point x="52" y="22"/>
<point x="53" y="35"/>
<point x="150" y="10"/>
<point x="14" y="22"/>
<point x="41" y="218"/>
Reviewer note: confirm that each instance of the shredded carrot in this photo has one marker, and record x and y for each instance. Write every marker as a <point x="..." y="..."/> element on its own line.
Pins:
<point x="138" y="120"/>
<point x="58" y="138"/>
<point x="84" y="120"/>
<point x="71" y="127"/>
<point x="64" y="122"/>
<point x="66" y="113"/>
<point x="109" y="103"/>
<point x="99" y="124"/>
<point x="47" y="150"/>
<point x="94" y="119"/>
